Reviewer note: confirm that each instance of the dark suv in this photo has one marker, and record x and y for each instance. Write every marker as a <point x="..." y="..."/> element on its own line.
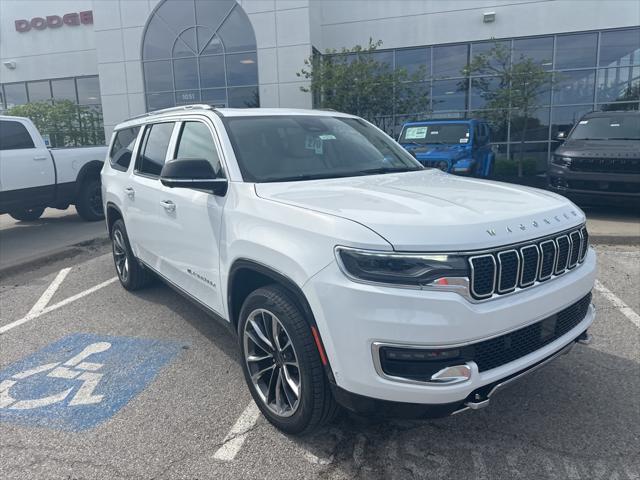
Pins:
<point x="600" y="160"/>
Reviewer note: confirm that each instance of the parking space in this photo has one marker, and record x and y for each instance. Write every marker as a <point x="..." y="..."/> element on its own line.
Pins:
<point x="146" y="386"/>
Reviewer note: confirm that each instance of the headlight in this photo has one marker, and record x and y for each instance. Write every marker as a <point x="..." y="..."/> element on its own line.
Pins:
<point x="414" y="270"/>
<point x="561" y="161"/>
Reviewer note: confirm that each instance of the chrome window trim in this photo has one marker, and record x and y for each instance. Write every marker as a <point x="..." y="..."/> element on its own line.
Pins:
<point x="573" y="265"/>
<point x="538" y="260"/>
<point x="553" y="263"/>
<point x="472" y="283"/>
<point x="584" y="244"/>
<point x="515" y="283"/>
<point x="560" y="271"/>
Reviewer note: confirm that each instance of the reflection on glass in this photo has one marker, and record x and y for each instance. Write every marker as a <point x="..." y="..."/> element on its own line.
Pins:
<point x="64" y="89"/>
<point x="185" y="72"/>
<point x="39" y="91"/>
<point x="412" y="59"/>
<point x="574" y="87"/>
<point x="618" y="84"/>
<point x="195" y="45"/>
<point x="237" y="33"/>
<point x="576" y="50"/>
<point x="539" y="50"/>
<point x="485" y="48"/>
<point x="449" y="94"/>
<point x="564" y="118"/>
<point x="88" y="90"/>
<point x="212" y="72"/>
<point x="482" y="89"/>
<point x="243" y="97"/>
<point x="620" y="48"/>
<point x="241" y="69"/>
<point x="156" y="101"/>
<point x="449" y="60"/>
<point x="15" y="94"/>
<point x="531" y="127"/>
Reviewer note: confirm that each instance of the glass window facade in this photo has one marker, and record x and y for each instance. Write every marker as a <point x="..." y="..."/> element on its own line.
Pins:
<point x="587" y="71"/>
<point x="78" y="120"/>
<point x="212" y="60"/>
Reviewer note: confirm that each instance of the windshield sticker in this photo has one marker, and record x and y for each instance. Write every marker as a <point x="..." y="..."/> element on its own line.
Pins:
<point x="614" y="125"/>
<point x="327" y="137"/>
<point x="466" y="134"/>
<point x="435" y="132"/>
<point x="464" y="140"/>
<point x="416" y="133"/>
<point x="583" y="122"/>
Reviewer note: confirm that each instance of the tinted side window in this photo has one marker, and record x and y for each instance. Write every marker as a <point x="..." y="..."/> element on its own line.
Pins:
<point x="155" y="147"/>
<point x="14" y="135"/>
<point x="122" y="149"/>
<point x="196" y="142"/>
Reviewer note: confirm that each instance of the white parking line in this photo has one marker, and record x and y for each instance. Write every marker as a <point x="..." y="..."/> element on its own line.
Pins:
<point x="40" y="307"/>
<point x="625" y="309"/>
<point x="238" y="434"/>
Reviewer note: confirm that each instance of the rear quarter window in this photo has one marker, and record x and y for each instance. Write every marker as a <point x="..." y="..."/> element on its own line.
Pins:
<point x="14" y="136"/>
<point x="122" y="148"/>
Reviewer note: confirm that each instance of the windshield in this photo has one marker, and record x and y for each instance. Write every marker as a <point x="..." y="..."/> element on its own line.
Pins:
<point x="304" y="147"/>
<point x="613" y="127"/>
<point x="443" y="133"/>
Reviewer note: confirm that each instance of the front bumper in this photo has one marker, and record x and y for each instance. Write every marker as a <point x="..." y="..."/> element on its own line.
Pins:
<point x="593" y="184"/>
<point x="351" y="317"/>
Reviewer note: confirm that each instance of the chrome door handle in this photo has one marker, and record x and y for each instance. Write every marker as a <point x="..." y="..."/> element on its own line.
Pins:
<point x="168" y="205"/>
<point x="130" y="192"/>
<point x="40" y="157"/>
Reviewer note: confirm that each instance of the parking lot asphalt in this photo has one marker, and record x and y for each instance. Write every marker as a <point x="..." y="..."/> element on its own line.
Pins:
<point x="173" y="402"/>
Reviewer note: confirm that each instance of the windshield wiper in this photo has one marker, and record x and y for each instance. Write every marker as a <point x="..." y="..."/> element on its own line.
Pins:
<point x="623" y="138"/>
<point x="374" y="171"/>
<point x="357" y="173"/>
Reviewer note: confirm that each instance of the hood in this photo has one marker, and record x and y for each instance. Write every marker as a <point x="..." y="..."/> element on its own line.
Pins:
<point x="600" y="148"/>
<point x="431" y="210"/>
<point x="440" y="152"/>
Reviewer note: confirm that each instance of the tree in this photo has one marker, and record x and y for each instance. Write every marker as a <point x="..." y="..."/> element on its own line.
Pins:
<point x="354" y="81"/>
<point x="510" y="87"/>
<point x="630" y="93"/>
<point x="66" y="123"/>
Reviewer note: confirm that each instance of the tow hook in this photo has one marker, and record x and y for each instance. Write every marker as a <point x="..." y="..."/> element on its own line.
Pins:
<point x="478" y="402"/>
<point x="585" y="339"/>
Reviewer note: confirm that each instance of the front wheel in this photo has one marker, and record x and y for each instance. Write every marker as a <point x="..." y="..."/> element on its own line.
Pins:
<point x="89" y="201"/>
<point x="131" y="273"/>
<point x="27" y="214"/>
<point x="281" y="362"/>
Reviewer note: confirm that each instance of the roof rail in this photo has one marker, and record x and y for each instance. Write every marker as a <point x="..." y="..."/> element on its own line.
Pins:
<point x="173" y="109"/>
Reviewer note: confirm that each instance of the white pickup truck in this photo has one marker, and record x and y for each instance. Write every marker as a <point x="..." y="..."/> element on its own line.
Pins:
<point x="34" y="177"/>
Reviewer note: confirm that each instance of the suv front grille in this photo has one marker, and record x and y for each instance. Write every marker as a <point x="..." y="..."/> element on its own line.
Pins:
<point x="503" y="270"/>
<point x="605" y="165"/>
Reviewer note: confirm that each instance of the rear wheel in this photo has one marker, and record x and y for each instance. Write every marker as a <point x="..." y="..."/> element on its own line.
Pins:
<point x="131" y="273"/>
<point x="27" y="214"/>
<point x="281" y="363"/>
<point x="89" y="201"/>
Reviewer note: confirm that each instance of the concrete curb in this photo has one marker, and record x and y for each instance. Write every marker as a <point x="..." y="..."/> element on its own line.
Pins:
<point x="54" y="256"/>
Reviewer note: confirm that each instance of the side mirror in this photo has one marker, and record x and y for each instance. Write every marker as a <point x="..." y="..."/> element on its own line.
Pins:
<point x="561" y="136"/>
<point x="196" y="173"/>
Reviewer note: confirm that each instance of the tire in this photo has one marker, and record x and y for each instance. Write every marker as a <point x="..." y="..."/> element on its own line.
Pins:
<point x="27" y="214"/>
<point x="89" y="201"/>
<point x="132" y="275"/>
<point x="314" y="405"/>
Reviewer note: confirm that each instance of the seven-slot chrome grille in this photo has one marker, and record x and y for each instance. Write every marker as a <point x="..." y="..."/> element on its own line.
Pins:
<point x="506" y="269"/>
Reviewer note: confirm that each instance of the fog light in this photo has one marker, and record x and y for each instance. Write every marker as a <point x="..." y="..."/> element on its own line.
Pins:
<point x="408" y="354"/>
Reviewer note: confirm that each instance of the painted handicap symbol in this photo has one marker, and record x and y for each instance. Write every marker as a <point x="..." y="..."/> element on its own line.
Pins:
<point x="80" y="380"/>
<point x="84" y="371"/>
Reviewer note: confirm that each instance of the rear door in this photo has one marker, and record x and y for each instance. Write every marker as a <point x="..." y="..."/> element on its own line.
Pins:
<point x="145" y="217"/>
<point x="27" y="172"/>
<point x="191" y="220"/>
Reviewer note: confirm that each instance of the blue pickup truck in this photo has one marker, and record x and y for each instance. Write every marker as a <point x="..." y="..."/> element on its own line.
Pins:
<point x="454" y="146"/>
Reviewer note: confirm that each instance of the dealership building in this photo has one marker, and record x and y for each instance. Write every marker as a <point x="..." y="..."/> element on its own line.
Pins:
<point x="120" y="58"/>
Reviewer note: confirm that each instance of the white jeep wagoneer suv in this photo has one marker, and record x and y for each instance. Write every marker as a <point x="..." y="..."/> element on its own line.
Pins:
<point x="350" y="274"/>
